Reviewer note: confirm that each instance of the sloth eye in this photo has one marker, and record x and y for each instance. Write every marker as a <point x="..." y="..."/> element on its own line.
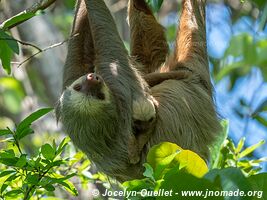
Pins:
<point x="77" y="87"/>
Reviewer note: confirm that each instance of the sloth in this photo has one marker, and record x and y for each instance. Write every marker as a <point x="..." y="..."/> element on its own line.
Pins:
<point x="115" y="106"/>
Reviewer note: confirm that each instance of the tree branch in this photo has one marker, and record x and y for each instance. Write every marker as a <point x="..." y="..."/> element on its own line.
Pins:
<point x="26" y="14"/>
<point x="22" y="42"/>
<point x="45" y="49"/>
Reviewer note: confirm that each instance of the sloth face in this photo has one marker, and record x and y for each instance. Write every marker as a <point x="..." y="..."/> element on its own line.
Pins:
<point x="90" y="85"/>
<point x="88" y="90"/>
<point x="87" y="110"/>
<point x="87" y="95"/>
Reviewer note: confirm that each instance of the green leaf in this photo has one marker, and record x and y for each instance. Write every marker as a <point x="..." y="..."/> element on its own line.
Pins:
<point x="250" y="57"/>
<point x="177" y="181"/>
<point x="26" y="131"/>
<point x="3" y="188"/>
<point x="161" y="156"/>
<point x="240" y="145"/>
<point x="67" y="185"/>
<point x="5" y="56"/>
<point x="10" y="41"/>
<point x="33" y="179"/>
<point x="217" y="146"/>
<point x="62" y="145"/>
<point x="11" y="178"/>
<point x="264" y="159"/>
<point x="259" y="183"/>
<point x="137" y="185"/>
<point x="39" y="164"/>
<point x="149" y="172"/>
<point x="238" y="45"/>
<point x="62" y="180"/>
<point x="242" y="60"/>
<point x="8" y="153"/>
<point x="229" y="179"/>
<point x="261" y="120"/>
<point x="251" y="149"/>
<point x="7" y="46"/>
<point x="261" y="54"/>
<point x="49" y="187"/>
<point x="191" y="163"/>
<point x="166" y="156"/>
<point x="58" y="163"/>
<point x="31" y="118"/>
<point x="19" y="18"/>
<point x="48" y="152"/>
<point x="77" y="158"/>
<point x="8" y="140"/>
<point x="5" y="132"/>
<point x="47" y="162"/>
<point x="22" y="161"/>
<point x="226" y="70"/>
<point x="158" y="153"/>
<point x="9" y="161"/>
<point x="7" y="172"/>
<point x="13" y="193"/>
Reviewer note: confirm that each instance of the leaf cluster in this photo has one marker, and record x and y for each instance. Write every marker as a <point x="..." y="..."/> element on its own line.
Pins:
<point x="27" y="175"/>
<point x="170" y="168"/>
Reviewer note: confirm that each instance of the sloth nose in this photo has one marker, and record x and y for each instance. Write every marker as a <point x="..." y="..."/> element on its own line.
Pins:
<point x="93" y="79"/>
<point x="90" y="84"/>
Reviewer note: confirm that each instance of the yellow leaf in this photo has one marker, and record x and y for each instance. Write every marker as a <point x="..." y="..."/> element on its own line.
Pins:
<point x="166" y="156"/>
<point x="158" y="153"/>
<point x="192" y="163"/>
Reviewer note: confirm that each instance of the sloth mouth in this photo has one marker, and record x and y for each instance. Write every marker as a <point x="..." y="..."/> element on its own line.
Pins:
<point x="95" y="95"/>
<point x="100" y="96"/>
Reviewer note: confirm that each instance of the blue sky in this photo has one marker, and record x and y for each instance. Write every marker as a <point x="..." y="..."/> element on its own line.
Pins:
<point x="219" y="33"/>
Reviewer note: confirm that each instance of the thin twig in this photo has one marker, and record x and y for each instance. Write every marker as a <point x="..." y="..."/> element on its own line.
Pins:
<point x="23" y="43"/>
<point x="16" y="142"/>
<point x="45" y="49"/>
